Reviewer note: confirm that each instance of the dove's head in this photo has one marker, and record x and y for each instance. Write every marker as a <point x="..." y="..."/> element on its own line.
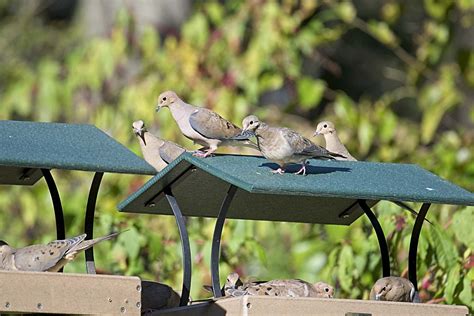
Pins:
<point x="250" y="123"/>
<point x="381" y="288"/>
<point x="139" y="129"/>
<point x="5" y="250"/>
<point x="324" y="128"/>
<point x="167" y="98"/>
<point x="233" y="281"/>
<point x="324" y="290"/>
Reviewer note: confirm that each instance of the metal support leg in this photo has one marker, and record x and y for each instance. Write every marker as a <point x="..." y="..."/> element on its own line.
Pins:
<point x="216" y="240"/>
<point x="58" y="208"/>
<point x="89" y="220"/>
<point x="415" y="236"/>
<point x="183" y="234"/>
<point x="380" y="237"/>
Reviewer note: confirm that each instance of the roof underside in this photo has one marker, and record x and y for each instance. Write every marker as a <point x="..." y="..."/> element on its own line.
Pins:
<point x="29" y="146"/>
<point x="325" y="195"/>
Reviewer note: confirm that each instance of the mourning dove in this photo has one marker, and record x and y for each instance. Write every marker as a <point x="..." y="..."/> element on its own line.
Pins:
<point x="158" y="296"/>
<point x="283" y="145"/>
<point x="156" y="151"/>
<point x="395" y="289"/>
<point x="287" y="288"/>
<point x="232" y="282"/>
<point x="202" y="125"/>
<point x="333" y="143"/>
<point x="50" y="257"/>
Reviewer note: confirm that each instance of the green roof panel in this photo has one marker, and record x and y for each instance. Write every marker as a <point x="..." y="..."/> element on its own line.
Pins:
<point x="328" y="194"/>
<point x="29" y="146"/>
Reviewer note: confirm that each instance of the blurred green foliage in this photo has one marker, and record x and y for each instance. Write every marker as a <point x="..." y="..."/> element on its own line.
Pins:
<point x="226" y="57"/>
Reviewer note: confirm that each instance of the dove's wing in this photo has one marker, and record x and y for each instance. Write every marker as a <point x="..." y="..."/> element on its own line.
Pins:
<point x="211" y="125"/>
<point x="169" y="151"/>
<point x="303" y="146"/>
<point x="44" y="257"/>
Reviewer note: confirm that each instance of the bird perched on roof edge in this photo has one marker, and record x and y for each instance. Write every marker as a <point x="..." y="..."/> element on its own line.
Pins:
<point x="284" y="146"/>
<point x="202" y="125"/>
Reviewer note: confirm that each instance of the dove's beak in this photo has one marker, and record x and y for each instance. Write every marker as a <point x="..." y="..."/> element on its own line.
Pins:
<point x="316" y="133"/>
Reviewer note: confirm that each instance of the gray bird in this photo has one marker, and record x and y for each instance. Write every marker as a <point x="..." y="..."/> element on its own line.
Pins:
<point x="283" y="145"/>
<point x="287" y="288"/>
<point x="333" y="143"/>
<point x="202" y="125"/>
<point x="156" y="151"/>
<point x="50" y="257"/>
<point x="395" y="289"/>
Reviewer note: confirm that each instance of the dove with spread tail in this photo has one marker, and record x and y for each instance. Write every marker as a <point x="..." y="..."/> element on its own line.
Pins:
<point x="201" y="125"/>
<point x="333" y="143"/>
<point x="284" y="146"/>
<point x="156" y="151"/>
<point x="395" y="289"/>
<point x="50" y="257"/>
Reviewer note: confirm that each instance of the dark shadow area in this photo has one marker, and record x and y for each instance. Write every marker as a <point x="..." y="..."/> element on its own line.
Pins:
<point x="309" y="168"/>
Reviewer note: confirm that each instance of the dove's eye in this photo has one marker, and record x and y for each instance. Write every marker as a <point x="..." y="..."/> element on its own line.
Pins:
<point x="326" y="289"/>
<point x="251" y="122"/>
<point x="164" y="98"/>
<point x="325" y="125"/>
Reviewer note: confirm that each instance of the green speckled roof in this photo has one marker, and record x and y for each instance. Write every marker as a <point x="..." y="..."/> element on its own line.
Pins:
<point x="27" y="146"/>
<point x="329" y="191"/>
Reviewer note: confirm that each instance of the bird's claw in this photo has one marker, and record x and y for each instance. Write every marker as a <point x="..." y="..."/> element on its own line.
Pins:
<point x="202" y="154"/>
<point x="302" y="170"/>
<point x="278" y="171"/>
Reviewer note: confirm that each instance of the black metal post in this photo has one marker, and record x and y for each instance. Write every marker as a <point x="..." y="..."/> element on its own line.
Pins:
<point x="183" y="234"/>
<point x="216" y="240"/>
<point x="380" y="237"/>
<point x="89" y="220"/>
<point x="58" y="208"/>
<point x="415" y="236"/>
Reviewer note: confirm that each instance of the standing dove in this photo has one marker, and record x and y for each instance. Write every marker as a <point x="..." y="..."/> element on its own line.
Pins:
<point x="50" y="257"/>
<point x="202" y="125"/>
<point x="395" y="289"/>
<point x="283" y="145"/>
<point x="333" y="143"/>
<point x="287" y="288"/>
<point x="156" y="151"/>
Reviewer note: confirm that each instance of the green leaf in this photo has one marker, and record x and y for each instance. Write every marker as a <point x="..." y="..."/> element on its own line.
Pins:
<point x="345" y="11"/>
<point x="462" y="221"/>
<point x="310" y="92"/>
<point x="444" y="248"/>
<point x="383" y="33"/>
<point x="452" y="281"/>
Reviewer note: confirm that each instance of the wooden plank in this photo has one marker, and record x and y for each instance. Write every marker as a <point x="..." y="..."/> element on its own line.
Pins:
<point x="261" y="305"/>
<point x="65" y="293"/>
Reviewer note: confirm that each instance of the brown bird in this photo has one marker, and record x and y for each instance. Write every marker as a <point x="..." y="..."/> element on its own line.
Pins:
<point x="289" y="288"/>
<point x="395" y="289"/>
<point x="201" y="125"/>
<point x="156" y="151"/>
<point x="333" y="143"/>
<point x="50" y="257"/>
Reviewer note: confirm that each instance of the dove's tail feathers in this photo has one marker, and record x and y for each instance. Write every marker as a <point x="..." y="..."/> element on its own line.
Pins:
<point x="336" y="155"/>
<point x="75" y="242"/>
<point x="86" y="244"/>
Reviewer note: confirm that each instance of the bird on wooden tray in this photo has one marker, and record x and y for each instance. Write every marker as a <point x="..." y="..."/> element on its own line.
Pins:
<point x="202" y="126"/>
<point x="284" y="288"/>
<point x="283" y="145"/>
<point x="394" y="289"/>
<point x="233" y="282"/>
<point x="156" y="151"/>
<point x="50" y="257"/>
<point x="333" y="143"/>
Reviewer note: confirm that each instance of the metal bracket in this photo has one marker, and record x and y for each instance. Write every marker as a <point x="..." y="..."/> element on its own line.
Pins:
<point x="216" y="240"/>
<point x="415" y="236"/>
<point x="89" y="220"/>
<point x="380" y="237"/>
<point x="186" y="249"/>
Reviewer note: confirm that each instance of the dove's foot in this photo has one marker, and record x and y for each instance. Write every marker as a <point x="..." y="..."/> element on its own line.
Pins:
<point x="302" y="170"/>
<point x="278" y="171"/>
<point x="202" y="154"/>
